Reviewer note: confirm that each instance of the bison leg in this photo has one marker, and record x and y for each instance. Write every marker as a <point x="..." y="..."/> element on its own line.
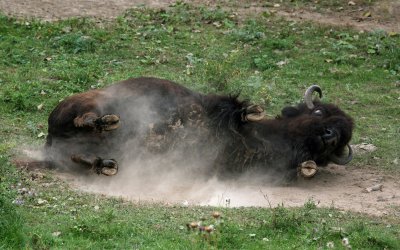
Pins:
<point x="107" y="167"/>
<point x="92" y="120"/>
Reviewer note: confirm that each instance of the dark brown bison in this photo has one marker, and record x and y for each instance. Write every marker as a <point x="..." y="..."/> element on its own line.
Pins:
<point x="143" y="116"/>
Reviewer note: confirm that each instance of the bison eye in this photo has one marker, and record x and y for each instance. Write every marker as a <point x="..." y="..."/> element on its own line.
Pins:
<point x="317" y="112"/>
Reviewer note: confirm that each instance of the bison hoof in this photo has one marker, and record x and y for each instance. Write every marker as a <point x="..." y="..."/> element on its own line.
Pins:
<point x="108" y="122"/>
<point x="108" y="167"/>
<point x="308" y="169"/>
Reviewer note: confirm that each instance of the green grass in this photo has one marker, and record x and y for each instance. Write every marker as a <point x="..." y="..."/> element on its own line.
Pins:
<point x="266" y="59"/>
<point x="73" y="220"/>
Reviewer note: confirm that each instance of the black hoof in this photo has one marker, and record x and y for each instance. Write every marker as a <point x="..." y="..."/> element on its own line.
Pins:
<point x="108" y="122"/>
<point x="108" y="167"/>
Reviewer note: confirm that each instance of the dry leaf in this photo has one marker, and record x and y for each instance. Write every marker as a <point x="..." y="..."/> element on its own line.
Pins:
<point x="217" y="24"/>
<point x="56" y="234"/>
<point x="367" y="14"/>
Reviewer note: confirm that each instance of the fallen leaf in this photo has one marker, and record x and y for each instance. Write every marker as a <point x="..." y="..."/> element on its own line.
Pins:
<point x="66" y="29"/>
<point x="377" y="187"/>
<point x="216" y="214"/>
<point x="345" y="242"/>
<point x="56" y="234"/>
<point x="367" y="14"/>
<point x="330" y="245"/>
<point x="41" y="201"/>
<point x="281" y="63"/>
<point x="364" y="147"/>
<point x="40" y="106"/>
<point x="41" y="134"/>
<point x="351" y="3"/>
<point x="217" y="24"/>
<point x="185" y="203"/>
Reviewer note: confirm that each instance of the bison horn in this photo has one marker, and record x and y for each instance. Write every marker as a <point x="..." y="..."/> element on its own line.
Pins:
<point x="342" y="160"/>
<point x="254" y="113"/>
<point x="308" y="95"/>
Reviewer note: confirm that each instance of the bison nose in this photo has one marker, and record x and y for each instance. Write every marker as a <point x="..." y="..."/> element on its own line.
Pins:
<point x="330" y="137"/>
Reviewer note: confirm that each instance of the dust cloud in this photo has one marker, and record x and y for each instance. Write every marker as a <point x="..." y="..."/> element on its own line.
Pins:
<point x="334" y="186"/>
<point x="155" y="180"/>
<point x="160" y="157"/>
<point x="163" y="160"/>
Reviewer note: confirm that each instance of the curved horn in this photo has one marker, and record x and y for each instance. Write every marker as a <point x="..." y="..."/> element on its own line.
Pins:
<point x="308" y="95"/>
<point x="342" y="160"/>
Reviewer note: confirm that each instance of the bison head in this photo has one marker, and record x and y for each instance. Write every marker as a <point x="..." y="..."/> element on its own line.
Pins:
<point x="309" y="132"/>
<point x="325" y="129"/>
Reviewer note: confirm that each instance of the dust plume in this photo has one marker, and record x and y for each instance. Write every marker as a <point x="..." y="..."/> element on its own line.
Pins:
<point x="163" y="159"/>
<point x="161" y="179"/>
<point x="160" y="157"/>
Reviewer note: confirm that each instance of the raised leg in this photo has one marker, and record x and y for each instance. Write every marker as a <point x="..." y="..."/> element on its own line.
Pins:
<point x="98" y="123"/>
<point x="107" y="167"/>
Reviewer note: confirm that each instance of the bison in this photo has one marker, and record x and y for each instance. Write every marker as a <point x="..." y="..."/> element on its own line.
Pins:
<point x="141" y="117"/>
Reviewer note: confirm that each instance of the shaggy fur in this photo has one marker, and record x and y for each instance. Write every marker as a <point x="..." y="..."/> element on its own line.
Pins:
<point x="158" y="115"/>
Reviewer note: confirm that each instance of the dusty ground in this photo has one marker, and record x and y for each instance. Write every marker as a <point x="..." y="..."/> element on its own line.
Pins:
<point x="341" y="187"/>
<point x="337" y="186"/>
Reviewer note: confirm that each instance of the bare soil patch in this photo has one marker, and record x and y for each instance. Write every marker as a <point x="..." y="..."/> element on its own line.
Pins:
<point x="384" y="15"/>
<point x="50" y="10"/>
<point x="347" y="188"/>
<point x="335" y="186"/>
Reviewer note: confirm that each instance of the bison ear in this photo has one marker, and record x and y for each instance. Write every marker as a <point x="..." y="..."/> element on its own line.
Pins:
<point x="253" y="113"/>
<point x="290" y="112"/>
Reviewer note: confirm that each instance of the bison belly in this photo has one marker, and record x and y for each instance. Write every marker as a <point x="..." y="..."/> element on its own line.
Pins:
<point x="100" y="128"/>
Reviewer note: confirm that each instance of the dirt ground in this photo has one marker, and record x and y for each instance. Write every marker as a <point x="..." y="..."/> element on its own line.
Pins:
<point x="337" y="186"/>
<point x="365" y="190"/>
<point x="334" y="186"/>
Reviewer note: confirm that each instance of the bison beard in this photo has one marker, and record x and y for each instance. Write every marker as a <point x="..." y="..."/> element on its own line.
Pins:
<point x="138" y="118"/>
